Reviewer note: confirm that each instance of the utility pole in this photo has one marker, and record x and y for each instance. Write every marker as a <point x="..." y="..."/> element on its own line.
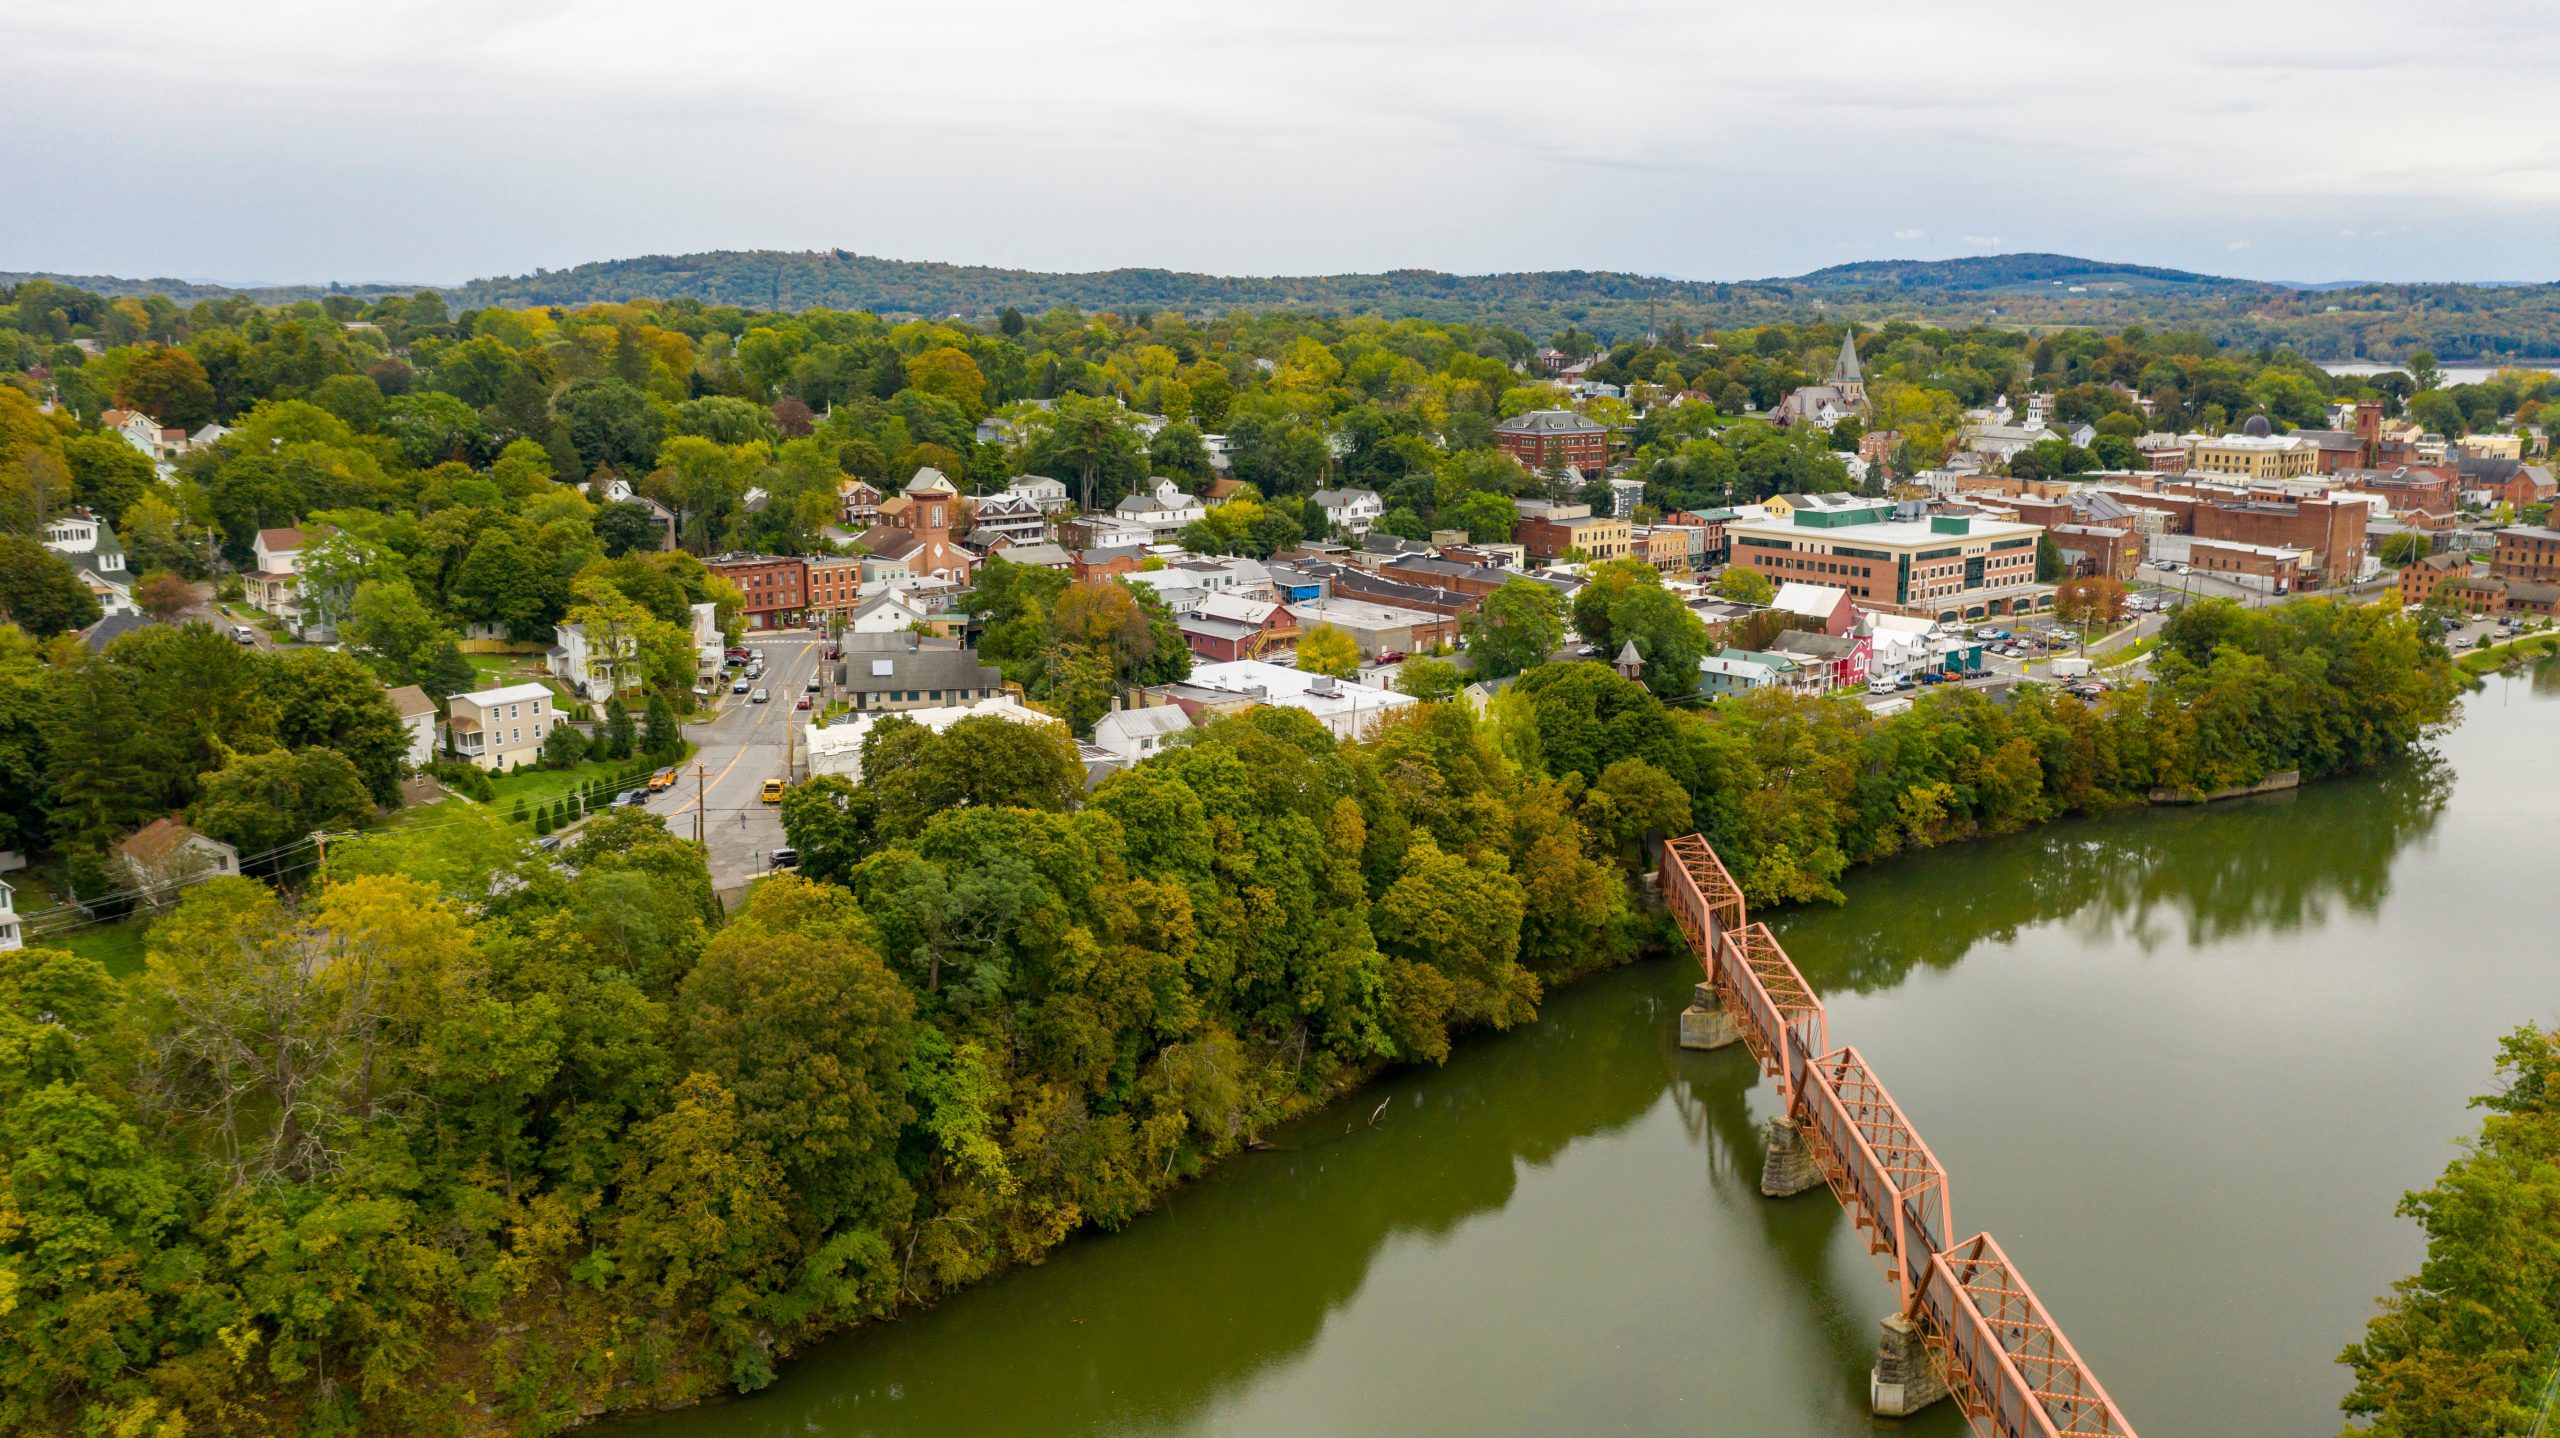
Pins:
<point x="701" y="804"/>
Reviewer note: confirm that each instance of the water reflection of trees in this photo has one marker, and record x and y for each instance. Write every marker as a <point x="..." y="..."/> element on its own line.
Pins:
<point x="1143" y="1329"/>
<point x="2196" y="875"/>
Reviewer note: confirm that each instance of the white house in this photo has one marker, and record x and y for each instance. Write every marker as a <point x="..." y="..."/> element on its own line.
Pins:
<point x="578" y="658"/>
<point x="710" y="646"/>
<point x="1137" y="735"/>
<point x="500" y="728"/>
<point x="90" y="544"/>
<point x="9" y="918"/>
<point x="417" y="715"/>
<point x="1048" y="495"/>
<point x="165" y="856"/>
<point x="275" y="587"/>
<point x="1162" y="509"/>
<point x="887" y="612"/>
<point x="837" y="748"/>
<point x="1349" y="510"/>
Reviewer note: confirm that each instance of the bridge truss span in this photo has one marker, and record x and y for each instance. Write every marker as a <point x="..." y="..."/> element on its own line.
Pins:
<point x="1988" y="1337"/>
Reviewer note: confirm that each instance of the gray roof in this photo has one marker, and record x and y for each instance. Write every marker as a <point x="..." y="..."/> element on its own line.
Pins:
<point x="107" y="631"/>
<point x="1549" y="421"/>
<point x="1337" y="498"/>
<point x="919" y="669"/>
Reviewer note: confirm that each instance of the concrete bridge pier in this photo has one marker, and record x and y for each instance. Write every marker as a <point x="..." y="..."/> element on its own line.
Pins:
<point x="1905" y="1379"/>
<point x="1705" y="1024"/>
<point x="1789" y="1169"/>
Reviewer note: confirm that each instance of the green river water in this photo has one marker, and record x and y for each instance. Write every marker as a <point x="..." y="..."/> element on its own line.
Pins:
<point x="2181" y="1063"/>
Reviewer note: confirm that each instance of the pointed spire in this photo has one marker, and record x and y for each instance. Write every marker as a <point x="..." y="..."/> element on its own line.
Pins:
<point x="1846" y="371"/>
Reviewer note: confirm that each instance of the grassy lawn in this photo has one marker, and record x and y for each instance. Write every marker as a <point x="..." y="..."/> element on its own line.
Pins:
<point x="2499" y="656"/>
<point x="118" y="945"/>
<point x="535" y="788"/>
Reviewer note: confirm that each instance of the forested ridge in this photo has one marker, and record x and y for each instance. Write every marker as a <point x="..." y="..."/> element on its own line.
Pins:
<point x="465" y="1139"/>
<point x="2341" y="322"/>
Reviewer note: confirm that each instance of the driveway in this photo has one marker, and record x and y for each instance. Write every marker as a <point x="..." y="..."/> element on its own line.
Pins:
<point x="739" y="748"/>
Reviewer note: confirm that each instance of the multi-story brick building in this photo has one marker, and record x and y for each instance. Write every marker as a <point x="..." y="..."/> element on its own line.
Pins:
<point x="835" y="585"/>
<point x="776" y="586"/>
<point x="1946" y="566"/>
<point x="1554" y="439"/>
<point x="2529" y="552"/>
<point x="2418" y="582"/>
<point x="2256" y="453"/>
<point x="2331" y="529"/>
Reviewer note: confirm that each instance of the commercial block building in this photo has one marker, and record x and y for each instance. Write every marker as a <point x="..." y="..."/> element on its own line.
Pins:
<point x="2529" y="552"/>
<point x="1549" y="531"/>
<point x="1942" y="566"/>
<point x="776" y="586"/>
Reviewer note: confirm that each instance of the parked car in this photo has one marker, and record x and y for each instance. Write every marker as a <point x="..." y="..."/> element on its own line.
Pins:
<point x="803" y="704"/>
<point x="772" y="793"/>
<point x="760" y="695"/>
<point x="785" y="857"/>
<point x="1391" y="656"/>
<point x="742" y="655"/>
<point x="636" y="799"/>
<point x="740" y="687"/>
<point x="835" y="652"/>
<point x="243" y="634"/>
<point x="813" y="683"/>
<point x="663" y="779"/>
<point x="1903" y="683"/>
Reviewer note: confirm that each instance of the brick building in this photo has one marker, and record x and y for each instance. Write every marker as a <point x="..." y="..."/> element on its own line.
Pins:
<point x="2331" y="529"/>
<point x="2267" y="568"/>
<point x="835" y="584"/>
<point x="1554" y="439"/>
<point x="2529" y="552"/>
<point x="2418" y="582"/>
<point x="2098" y="550"/>
<point x="776" y="586"/>
<point x="1947" y="566"/>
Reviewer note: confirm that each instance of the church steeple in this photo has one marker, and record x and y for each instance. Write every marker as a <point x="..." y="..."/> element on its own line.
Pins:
<point x="1845" y="374"/>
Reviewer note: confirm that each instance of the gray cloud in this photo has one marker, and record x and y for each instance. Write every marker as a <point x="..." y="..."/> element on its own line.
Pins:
<point x="402" y="139"/>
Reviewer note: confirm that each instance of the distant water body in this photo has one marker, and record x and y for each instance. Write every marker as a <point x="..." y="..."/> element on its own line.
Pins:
<point x="2453" y="373"/>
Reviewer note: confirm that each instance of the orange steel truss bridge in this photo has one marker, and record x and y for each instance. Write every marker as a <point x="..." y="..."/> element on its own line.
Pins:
<point x="1968" y="1326"/>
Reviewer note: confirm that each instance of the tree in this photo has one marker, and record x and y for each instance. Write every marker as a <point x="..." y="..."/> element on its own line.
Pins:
<point x="331" y="700"/>
<point x="163" y="595"/>
<point x="2423" y="369"/>
<point x="1430" y="679"/>
<point x="616" y="738"/>
<point x="2089" y="602"/>
<point x="39" y="590"/>
<point x="563" y="748"/>
<point x="1327" y="649"/>
<point x="1487" y="518"/>
<point x="2049" y="565"/>
<point x="661" y="739"/>
<point x="107" y="474"/>
<point x="1625" y="603"/>
<point x="626" y="525"/>
<point x="1744" y="586"/>
<point x="169" y="385"/>
<point x="259" y="803"/>
<point x="1517" y="626"/>
<point x="795" y="1014"/>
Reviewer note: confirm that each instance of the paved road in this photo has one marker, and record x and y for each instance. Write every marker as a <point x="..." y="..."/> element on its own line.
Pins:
<point x="740" y="747"/>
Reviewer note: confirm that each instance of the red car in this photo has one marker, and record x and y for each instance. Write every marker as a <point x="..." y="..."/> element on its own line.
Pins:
<point x="804" y="702"/>
<point x="834" y="653"/>
<point x="1391" y="656"/>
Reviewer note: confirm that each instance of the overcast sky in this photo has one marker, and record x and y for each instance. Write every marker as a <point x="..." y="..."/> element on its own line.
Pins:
<point x="293" y="140"/>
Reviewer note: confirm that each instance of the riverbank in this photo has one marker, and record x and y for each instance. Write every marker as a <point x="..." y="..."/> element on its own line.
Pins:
<point x="2225" y="998"/>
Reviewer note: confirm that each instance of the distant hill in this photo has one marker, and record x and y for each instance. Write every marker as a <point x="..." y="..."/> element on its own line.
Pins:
<point x="1976" y="273"/>
<point x="2029" y="291"/>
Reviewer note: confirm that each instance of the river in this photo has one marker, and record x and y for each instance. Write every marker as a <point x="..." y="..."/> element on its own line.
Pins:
<point x="2181" y="1063"/>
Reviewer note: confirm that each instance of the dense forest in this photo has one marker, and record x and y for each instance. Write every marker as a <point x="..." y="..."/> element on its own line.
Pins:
<point x="461" y="1135"/>
<point x="2338" y="322"/>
